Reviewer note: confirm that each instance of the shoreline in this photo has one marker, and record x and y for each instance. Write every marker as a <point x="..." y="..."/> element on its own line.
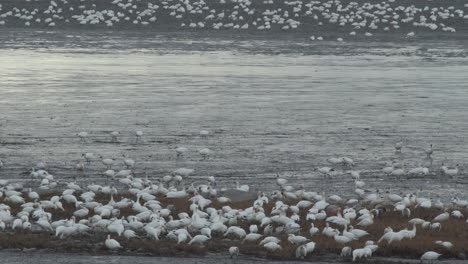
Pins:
<point x="329" y="36"/>
<point x="45" y="256"/>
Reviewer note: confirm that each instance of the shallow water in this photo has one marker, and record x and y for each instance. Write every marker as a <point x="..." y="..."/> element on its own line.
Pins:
<point x="40" y="257"/>
<point x="273" y="106"/>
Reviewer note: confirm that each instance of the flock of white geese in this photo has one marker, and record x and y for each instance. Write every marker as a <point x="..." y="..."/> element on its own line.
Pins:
<point x="210" y="215"/>
<point x="356" y="17"/>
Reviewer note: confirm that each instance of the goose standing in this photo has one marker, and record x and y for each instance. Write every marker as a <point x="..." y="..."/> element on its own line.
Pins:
<point x="234" y="251"/>
<point x="114" y="135"/>
<point x="129" y="163"/>
<point x="429" y="151"/>
<point x="346" y="252"/>
<point x="80" y="167"/>
<point x="301" y="252"/>
<point x="83" y="135"/>
<point x="112" y="244"/>
<point x="139" y="135"/>
<point x="88" y="157"/>
<point x="108" y="162"/>
<point x="205" y="153"/>
<point x="181" y="151"/>
<point x="398" y="145"/>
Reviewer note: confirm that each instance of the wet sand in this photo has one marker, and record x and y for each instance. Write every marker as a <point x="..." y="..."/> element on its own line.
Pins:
<point x="270" y="107"/>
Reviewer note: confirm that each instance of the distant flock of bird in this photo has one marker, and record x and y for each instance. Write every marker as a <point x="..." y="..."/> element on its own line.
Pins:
<point x="201" y="223"/>
<point x="359" y="17"/>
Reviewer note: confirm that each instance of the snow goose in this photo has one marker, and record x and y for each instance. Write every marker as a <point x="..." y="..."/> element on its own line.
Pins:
<point x="199" y="239"/>
<point x="177" y="194"/>
<point x="390" y="236"/>
<point x="272" y="246"/>
<point x="450" y="171"/>
<point x="359" y="233"/>
<point x="252" y="237"/>
<point x="398" y="145"/>
<point x="335" y="161"/>
<point x="341" y="239"/>
<point x="243" y="188"/>
<point x="233" y="251"/>
<point x="88" y="157"/>
<point x="107" y="162"/>
<point x="109" y="174"/>
<point x="410" y="34"/>
<point x="398" y="172"/>
<point x="237" y="231"/>
<point x="81" y="213"/>
<point x="329" y="231"/>
<point x="205" y="153"/>
<point x="129" y="234"/>
<point x="447" y="245"/>
<point x="269" y="239"/>
<point x="204" y="133"/>
<point x="296" y="240"/>
<point x="429" y="151"/>
<point x="313" y="230"/>
<point x="346" y="252"/>
<point x="389" y="169"/>
<point x="184" y="172"/>
<point x="114" y="135"/>
<point x="129" y="163"/>
<point x="429" y="257"/>
<point x="361" y="253"/>
<point x="43" y="222"/>
<point x="301" y="252"/>
<point x="253" y="229"/>
<point x="441" y="217"/>
<point x="457" y="214"/>
<point x="326" y="171"/>
<point x="112" y="244"/>
<point x="33" y="195"/>
<point x="310" y="247"/>
<point x="15" y="199"/>
<point x="82" y="135"/>
<point x="181" y="151"/>
<point x="139" y="135"/>
<point x="116" y="227"/>
<point x="41" y="165"/>
<point x="347" y="161"/>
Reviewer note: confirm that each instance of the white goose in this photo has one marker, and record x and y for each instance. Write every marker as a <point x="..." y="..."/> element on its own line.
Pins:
<point x="199" y="239"/>
<point x="243" y="188"/>
<point x="112" y="244"/>
<point x="430" y="256"/>
<point x="429" y="151"/>
<point x="233" y="251"/>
